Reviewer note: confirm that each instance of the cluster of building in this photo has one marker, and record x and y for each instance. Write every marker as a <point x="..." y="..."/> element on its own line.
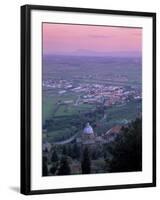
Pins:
<point x="110" y="95"/>
<point x="57" y="84"/>
<point x="88" y="137"/>
<point x="95" y="93"/>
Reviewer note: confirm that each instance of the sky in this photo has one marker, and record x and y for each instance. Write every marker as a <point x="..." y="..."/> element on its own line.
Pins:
<point x="69" y="39"/>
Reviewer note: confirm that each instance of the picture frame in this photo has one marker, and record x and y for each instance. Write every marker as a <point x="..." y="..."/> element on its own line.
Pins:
<point x="38" y="38"/>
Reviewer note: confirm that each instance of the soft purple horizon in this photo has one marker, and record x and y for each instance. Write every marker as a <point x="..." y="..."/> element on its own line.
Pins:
<point x="83" y="40"/>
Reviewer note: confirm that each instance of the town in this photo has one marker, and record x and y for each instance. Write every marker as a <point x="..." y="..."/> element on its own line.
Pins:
<point x="93" y="93"/>
<point x="89" y="104"/>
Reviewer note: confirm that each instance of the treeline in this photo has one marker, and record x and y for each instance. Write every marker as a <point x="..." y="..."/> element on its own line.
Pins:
<point x="126" y="150"/>
<point x="124" y="154"/>
<point x="60" y="165"/>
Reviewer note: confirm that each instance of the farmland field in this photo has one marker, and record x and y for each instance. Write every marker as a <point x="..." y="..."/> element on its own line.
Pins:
<point x="69" y="79"/>
<point x="91" y="99"/>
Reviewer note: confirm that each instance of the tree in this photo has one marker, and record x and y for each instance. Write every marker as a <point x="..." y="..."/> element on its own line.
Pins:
<point x="44" y="167"/>
<point x="69" y="150"/>
<point x="54" y="168"/>
<point x="54" y="157"/>
<point x="64" y="150"/>
<point x="75" y="151"/>
<point x="126" y="151"/>
<point x="64" y="168"/>
<point x="86" y="163"/>
<point x="95" y="154"/>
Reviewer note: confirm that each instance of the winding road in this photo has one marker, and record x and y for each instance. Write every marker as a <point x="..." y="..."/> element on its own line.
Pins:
<point x="68" y="140"/>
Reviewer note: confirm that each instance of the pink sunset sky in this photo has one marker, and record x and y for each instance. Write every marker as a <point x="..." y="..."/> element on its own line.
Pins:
<point x="72" y="39"/>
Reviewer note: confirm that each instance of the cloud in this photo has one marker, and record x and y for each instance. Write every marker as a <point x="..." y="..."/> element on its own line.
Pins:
<point x="100" y="36"/>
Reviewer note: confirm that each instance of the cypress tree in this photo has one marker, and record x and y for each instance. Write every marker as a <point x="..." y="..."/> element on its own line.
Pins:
<point x="54" y="168"/>
<point x="44" y="167"/>
<point x="76" y="151"/>
<point x="54" y="157"/>
<point x="64" y="150"/>
<point x="86" y="163"/>
<point x="64" y="168"/>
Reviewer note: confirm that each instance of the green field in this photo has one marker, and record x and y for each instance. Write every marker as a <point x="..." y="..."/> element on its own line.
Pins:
<point x="63" y="120"/>
<point x="67" y="120"/>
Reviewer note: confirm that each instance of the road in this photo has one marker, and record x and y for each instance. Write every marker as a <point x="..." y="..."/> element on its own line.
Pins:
<point x="68" y="140"/>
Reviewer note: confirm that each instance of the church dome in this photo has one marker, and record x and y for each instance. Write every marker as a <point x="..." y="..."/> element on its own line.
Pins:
<point x="88" y="129"/>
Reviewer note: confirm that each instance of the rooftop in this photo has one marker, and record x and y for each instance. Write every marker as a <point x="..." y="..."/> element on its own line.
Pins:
<point x="88" y="129"/>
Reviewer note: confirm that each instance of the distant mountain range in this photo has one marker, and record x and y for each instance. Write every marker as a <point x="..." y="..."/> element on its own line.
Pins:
<point x="85" y="52"/>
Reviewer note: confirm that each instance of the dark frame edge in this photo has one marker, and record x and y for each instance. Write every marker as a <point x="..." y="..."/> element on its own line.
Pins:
<point x="25" y="101"/>
<point x="154" y="98"/>
<point x="89" y="10"/>
<point x="25" y="181"/>
<point x="89" y="189"/>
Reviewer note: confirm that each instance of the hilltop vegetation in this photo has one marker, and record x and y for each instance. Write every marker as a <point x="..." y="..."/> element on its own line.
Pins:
<point x="126" y="150"/>
<point x="62" y="74"/>
<point x="124" y="154"/>
<point x="103" y="91"/>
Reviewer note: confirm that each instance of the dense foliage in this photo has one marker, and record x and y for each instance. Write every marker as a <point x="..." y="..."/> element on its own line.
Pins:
<point x="126" y="150"/>
<point x="45" y="168"/>
<point x="64" y="168"/>
<point x="86" y="162"/>
<point x="123" y="154"/>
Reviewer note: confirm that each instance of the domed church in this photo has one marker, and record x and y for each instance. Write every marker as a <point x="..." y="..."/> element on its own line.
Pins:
<point x="88" y="135"/>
